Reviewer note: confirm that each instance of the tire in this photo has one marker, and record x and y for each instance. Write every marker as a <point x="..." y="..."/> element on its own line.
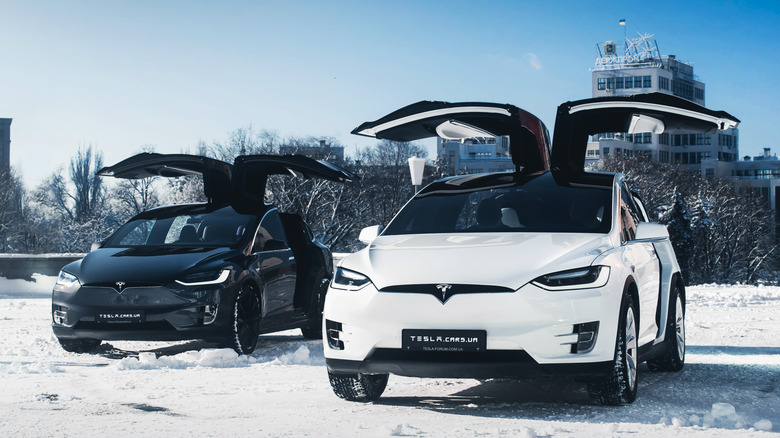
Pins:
<point x="314" y="329"/>
<point x="620" y="386"/>
<point x="245" y="321"/>
<point x="358" y="387"/>
<point x="673" y="356"/>
<point x="79" y="345"/>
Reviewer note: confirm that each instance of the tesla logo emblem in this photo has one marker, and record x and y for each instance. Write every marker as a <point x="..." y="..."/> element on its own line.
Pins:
<point x="120" y="285"/>
<point x="443" y="288"/>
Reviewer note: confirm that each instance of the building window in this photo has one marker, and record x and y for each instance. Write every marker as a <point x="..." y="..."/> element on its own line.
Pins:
<point x="663" y="156"/>
<point x="610" y="83"/>
<point x="619" y="82"/>
<point x="664" y="138"/>
<point x="663" y="83"/>
<point x="606" y="152"/>
<point x="709" y="173"/>
<point x="602" y="83"/>
<point x="629" y="82"/>
<point x="647" y="82"/>
<point x="699" y="93"/>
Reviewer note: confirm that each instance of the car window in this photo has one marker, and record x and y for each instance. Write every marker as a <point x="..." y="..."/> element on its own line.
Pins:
<point x="196" y="226"/>
<point x="270" y="234"/>
<point x="138" y="233"/>
<point x="629" y="216"/>
<point x="540" y="205"/>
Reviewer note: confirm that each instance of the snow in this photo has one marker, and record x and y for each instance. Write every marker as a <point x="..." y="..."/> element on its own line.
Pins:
<point x="729" y="387"/>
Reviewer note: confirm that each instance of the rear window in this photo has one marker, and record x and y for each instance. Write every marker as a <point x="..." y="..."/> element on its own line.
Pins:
<point x="537" y="205"/>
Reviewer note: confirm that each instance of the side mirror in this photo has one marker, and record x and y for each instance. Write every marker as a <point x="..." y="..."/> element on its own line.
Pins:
<point x="95" y="246"/>
<point x="650" y="232"/>
<point x="368" y="234"/>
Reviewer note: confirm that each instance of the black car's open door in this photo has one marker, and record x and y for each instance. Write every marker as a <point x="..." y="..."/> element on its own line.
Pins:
<point x="217" y="175"/>
<point x="651" y="112"/>
<point x="528" y="137"/>
<point x="250" y="174"/>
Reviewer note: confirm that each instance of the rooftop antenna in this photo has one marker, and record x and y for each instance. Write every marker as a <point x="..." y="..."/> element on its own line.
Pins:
<point x="623" y="24"/>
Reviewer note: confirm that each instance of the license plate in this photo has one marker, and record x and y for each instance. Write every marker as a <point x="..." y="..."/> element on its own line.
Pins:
<point x="444" y="340"/>
<point x="120" y="317"/>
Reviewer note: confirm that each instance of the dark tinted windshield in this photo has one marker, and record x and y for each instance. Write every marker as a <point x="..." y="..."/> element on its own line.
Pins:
<point x="193" y="226"/>
<point x="537" y="204"/>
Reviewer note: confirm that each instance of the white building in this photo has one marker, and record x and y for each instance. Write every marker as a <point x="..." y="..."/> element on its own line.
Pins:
<point x="475" y="155"/>
<point x="641" y="69"/>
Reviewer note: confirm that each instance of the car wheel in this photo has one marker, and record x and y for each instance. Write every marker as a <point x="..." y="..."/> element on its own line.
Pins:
<point x="358" y="387"/>
<point x="314" y="329"/>
<point x="245" y="321"/>
<point x="79" y="345"/>
<point x="673" y="356"/>
<point x="620" y="387"/>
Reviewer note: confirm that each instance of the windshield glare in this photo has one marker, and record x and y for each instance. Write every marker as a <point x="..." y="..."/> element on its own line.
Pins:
<point x="195" y="227"/>
<point x="539" y="205"/>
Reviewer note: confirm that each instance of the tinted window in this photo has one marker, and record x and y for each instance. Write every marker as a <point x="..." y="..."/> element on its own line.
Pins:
<point x="196" y="226"/>
<point x="270" y="234"/>
<point x="538" y="205"/>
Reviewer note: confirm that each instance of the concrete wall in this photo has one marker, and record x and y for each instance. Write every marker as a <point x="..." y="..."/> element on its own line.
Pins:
<point x="22" y="266"/>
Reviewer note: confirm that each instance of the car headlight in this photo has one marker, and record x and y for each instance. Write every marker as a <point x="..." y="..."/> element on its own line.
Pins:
<point x="349" y="280"/>
<point x="581" y="278"/>
<point x="205" y="278"/>
<point x="67" y="280"/>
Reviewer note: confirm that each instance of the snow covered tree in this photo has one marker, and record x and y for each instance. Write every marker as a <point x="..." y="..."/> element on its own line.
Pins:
<point x="678" y="223"/>
<point x="11" y="225"/>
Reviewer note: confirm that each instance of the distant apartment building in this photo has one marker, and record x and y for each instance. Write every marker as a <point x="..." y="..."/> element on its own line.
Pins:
<point x="5" y="143"/>
<point x="323" y="151"/>
<point x="642" y="69"/>
<point x="474" y="155"/>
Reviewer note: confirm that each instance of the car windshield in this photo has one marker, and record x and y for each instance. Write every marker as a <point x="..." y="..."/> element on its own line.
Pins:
<point x="536" y="204"/>
<point x="201" y="226"/>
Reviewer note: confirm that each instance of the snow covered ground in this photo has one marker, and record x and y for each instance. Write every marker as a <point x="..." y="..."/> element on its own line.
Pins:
<point x="730" y="385"/>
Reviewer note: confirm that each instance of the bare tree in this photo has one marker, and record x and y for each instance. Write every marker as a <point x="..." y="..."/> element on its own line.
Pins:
<point x="719" y="233"/>
<point x="11" y="194"/>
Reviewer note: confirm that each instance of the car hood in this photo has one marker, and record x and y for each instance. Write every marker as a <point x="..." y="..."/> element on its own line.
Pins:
<point x="497" y="259"/>
<point x="143" y="266"/>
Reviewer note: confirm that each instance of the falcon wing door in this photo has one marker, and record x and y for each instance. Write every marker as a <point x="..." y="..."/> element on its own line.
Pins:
<point x="651" y="112"/>
<point x="250" y="174"/>
<point x="216" y="174"/>
<point x="528" y="137"/>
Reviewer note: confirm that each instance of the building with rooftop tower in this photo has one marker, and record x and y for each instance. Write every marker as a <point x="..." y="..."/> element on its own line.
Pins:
<point x="641" y="68"/>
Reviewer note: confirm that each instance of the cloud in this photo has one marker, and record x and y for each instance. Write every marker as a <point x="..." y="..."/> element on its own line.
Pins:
<point x="533" y="61"/>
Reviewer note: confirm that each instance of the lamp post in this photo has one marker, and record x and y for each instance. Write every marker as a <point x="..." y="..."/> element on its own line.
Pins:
<point x="416" y="168"/>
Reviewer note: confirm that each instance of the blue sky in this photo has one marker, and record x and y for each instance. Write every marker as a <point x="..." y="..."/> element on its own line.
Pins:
<point x="123" y="74"/>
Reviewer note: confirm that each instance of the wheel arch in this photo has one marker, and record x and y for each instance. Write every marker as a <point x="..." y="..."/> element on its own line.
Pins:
<point x="631" y="289"/>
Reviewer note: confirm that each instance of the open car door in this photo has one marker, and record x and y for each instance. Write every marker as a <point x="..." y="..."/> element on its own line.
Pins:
<point x="651" y="112"/>
<point x="217" y="175"/>
<point x="528" y="137"/>
<point x="250" y="174"/>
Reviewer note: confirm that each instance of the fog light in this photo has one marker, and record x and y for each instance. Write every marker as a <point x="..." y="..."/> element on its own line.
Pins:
<point x="209" y="314"/>
<point x="333" y="332"/>
<point x="586" y="337"/>
<point x="60" y="317"/>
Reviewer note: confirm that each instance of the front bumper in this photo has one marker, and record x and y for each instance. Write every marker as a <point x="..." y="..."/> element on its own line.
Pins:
<point x="168" y="315"/>
<point x="529" y="331"/>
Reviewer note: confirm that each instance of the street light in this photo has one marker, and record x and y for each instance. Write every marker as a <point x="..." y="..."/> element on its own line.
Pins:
<point x="416" y="168"/>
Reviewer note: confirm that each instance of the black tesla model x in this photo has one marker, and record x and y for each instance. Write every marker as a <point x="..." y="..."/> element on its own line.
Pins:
<point x="226" y="270"/>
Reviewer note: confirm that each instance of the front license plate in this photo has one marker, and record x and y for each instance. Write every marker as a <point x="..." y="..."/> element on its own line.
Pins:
<point x="443" y="340"/>
<point x="120" y="317"/>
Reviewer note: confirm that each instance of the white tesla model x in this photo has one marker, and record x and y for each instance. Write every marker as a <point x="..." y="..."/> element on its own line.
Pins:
<point x="545" y="270"/>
